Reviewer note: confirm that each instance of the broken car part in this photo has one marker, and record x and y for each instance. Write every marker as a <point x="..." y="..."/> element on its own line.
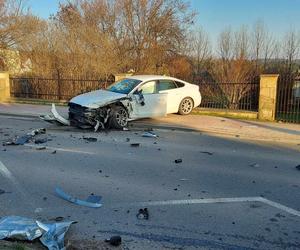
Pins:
<point x="114" y="240"/>
<point x="143" y="214"/>
<point x="149" y="134"/>
<point x="92" y="201"/>
<point x="135" y="144"/>
<point x="20" y="228"/>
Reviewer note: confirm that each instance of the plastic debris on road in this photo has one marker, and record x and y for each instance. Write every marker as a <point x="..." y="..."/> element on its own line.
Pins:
<point x="149" y="134"/>
<point x="54" y="234"/>
<point x="135" y="144"/>
<point x="21" y="228"/>
<point x="92" y="201"/>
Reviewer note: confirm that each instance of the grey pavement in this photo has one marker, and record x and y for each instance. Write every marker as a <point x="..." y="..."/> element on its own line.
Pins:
<point x="227" y="193"/>
<point x="244" y="129"/>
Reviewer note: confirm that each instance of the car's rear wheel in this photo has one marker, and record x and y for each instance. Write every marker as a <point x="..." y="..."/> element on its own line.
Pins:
<point x="119" y="118"/>
<point x="186" y="106"/>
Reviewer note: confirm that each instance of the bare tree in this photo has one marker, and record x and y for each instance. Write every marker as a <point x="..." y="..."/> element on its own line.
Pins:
<point x="290" y="49"/>
<point x="200" y="49"/>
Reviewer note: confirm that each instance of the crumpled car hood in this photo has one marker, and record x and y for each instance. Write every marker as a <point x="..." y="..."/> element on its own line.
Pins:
<point x="96" y="99"/>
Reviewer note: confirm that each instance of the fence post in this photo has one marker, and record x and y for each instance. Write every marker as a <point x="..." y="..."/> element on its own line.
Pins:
<point x="4" y="87"/>
<point x="58" y="85"/>
<point x="267" y="97"/>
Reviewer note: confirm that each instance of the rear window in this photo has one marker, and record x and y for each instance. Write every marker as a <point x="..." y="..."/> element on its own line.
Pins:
<point x="166" y="84"/>
<point x="179" y="84"/>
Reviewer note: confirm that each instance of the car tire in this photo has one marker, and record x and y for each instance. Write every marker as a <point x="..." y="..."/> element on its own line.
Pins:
<point x="186" y="106"/>
<point x="119" y="117"/>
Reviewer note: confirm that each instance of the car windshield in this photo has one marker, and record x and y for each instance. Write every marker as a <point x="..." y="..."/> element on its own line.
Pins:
<point x="124" y="86"/>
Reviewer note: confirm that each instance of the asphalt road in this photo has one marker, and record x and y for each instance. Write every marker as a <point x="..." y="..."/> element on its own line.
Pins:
<point x="226" y="193"/>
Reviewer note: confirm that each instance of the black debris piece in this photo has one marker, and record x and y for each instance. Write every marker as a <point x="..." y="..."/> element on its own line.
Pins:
<point x="135" y="144"/>
<point x="206" y="152"/>
<point x="143" y="214"/>
<point x="40" y="148"/>
<point x="58" y="219"/>
<point x="127" y="139"/>
<point x="178" y="160"/>
<point x="2" y="191"/>
<point x="114" y="240"/>
<point x="298" y="167"/>
<point x="90" y="139"/>
<point x="53" y="152"/>
<point x="40" y="141"/>
<point x="254" y="165"/>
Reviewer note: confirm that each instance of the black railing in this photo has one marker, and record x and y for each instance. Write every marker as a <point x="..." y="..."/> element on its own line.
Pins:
<point x="53" y="89"/>
<point x="230" y="95"/>
<point x="288" y="99"/>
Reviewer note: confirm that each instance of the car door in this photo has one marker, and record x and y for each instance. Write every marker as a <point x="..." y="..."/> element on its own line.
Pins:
<point x="154" y="104"/>
<point x="169" y="87"/>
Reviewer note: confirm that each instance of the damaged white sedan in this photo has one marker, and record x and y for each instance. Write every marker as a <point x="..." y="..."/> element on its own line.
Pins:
<point x="135" y="97"/>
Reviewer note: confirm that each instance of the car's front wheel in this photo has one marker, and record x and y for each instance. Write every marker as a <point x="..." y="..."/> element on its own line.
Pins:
<point x="119" y="117"/>
<point x="186" y="106"/>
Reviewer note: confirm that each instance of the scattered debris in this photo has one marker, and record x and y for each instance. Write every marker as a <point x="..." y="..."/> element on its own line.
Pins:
<point x="143" y="214"/>
<point x="125" y="129"/>
<point x="2" y="191"/>
<point x="90" y="139"/>
<point x="40" y="148"/>
<point x="254" y="165"/>
<point x="53" y="152"/>
<point x="21" y="140"/>
<point x="21" y="228"/>
<point x="127" y="139"/>
<point x="298" y="167"/>
<point x="135" y="144"/>
<point x="178" y="160"/>
<point x="149" y="134"/>
<point x="114" y="240"/>
<point x="206" y="152"/>
<point x="92" y="201"/>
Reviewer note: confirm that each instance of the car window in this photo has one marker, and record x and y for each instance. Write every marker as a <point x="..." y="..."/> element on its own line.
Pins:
<point x="124" y="86"/>
<point x="148" y="88"/>
<point x="166" y="84"/>
<point x="179" y="84"/>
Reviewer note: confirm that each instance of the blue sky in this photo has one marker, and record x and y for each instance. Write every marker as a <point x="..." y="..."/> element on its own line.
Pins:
<point x="214" y="15"/>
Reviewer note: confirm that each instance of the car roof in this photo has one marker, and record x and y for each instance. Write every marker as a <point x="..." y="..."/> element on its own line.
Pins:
<point x="153" y="77"/>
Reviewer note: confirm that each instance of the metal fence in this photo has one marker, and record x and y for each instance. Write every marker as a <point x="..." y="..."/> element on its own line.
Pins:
<point x="230" y="95"/>
<point x="288" y="99"/>
<point x="53" y="89"/>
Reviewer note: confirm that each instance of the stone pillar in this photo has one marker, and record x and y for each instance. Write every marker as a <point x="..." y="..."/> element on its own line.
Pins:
<point x="4" y="87"/>
<point x="267" y="97"/>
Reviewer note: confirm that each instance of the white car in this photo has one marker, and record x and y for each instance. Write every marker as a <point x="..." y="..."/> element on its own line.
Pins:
<point x="132" y="98"/>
